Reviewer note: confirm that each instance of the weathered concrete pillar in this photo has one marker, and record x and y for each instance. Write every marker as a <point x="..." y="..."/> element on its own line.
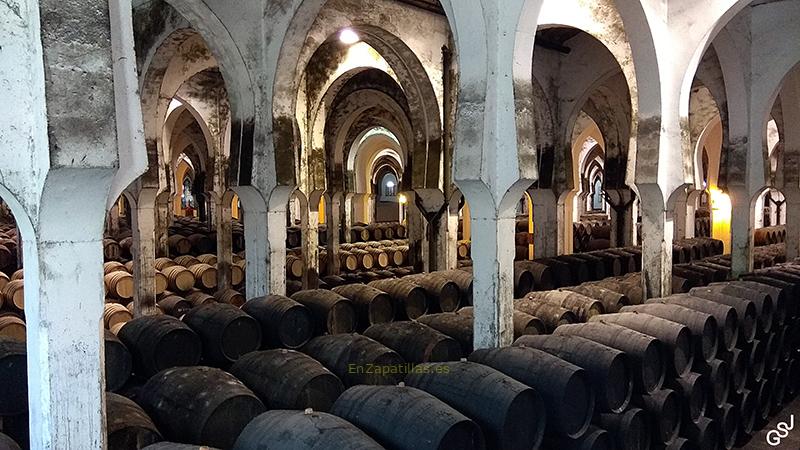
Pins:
<point x="254" y="212"/>
<point x="164" y="217"/>
<point x="679" y="213"/>
<point x="564" y="218"/>
<point x="742" y="227"/>
<point x="143" y="226"/>
<point x="333" y="215"/>
<point x="493" y="162"/>
<point x="450" y="255"/>
<point x="545" y="222"/>
<point x="620" y="208"/>
<point x="417" y="230"/>
<point x="349" y="216"/>
<point x="276" y="238"/>
<point x="309" y="217"/>
<point x="431" y="204"/>
<point x="792" y="205"/>
<point x="223" y="220"/>
<point x="656" y="243"/>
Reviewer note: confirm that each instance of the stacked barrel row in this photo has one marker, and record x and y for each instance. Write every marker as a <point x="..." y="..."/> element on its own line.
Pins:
<point x="12" y="305"/>
<point x="591" y="233"/>
<point x="8" y="248"/>
<point x="359" y="232"/>
<point x="702" y="222"/>
<point x="769" y="235"/>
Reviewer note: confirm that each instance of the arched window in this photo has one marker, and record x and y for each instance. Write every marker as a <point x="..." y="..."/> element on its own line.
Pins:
<point x="597" y="194"/>
<point x="187" y="199"/>
<point x="388" y="187"/>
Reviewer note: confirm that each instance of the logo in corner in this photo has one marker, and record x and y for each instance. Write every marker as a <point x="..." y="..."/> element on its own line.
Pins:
<point x="781" y="431"/>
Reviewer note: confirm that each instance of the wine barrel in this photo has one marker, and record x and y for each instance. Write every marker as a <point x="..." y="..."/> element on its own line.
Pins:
<point x="365" y="259"/>
<point x="737" y="365"/>
<point x="664" y="410"/>
<point x="704" y="432"/>
<point x="302" y="430"/>
<point x="7" y="443"/>
<point x="14" y="373"/>
<point x="511" y="414"/>
<point x="294" y="266"/>
<point x="14" y="294"/>
<point x="332" y="313"/>
<point x="237" y="273"/>
<point x="718" y="375"/>
<point x="565" y="388"/>
<point x="410" y="299"/>
<point x="179" y="278"/>
<point x="284" y="322"/>
<point x="114" y="313"/>
<point x="727" y="419"/>
<point x="207" y="258"/>
<point x="205" y="276"/>
<point x="561" y="274"/>
<point x="161" y="282"/>
<point x="606" y="367"/>
<point x="163" y="263"/>
<point x="186" y="260"/>
<point x="348" y="261"/>
<point x="359" y="234"/>
<point x="463" y="280"/>
<point x="702" y="325"/>
<point x="128" y="427"/>
<point x="645" y="352"/>
<point x="118" y="362"/>
<point x="200" y="405"/>
<point x="225" y="331"/>
<point x="612" y="301"/>
<point x="584" y="307"/>
<point x="112" y="266"/>
<point x="179" y="245"/>
<point x="455" y="324"/>
<point x="765" y="308"/>
<point x="160" y="342"/>
<point x="230" y="297"/>
<point x="693" y="389"/>
<point x="379" y="257"/>
<point x="371" y="408"/>
<point x="111" y="250"/>
<point x="676" y="338"/>
<point x="415" y="342"/>
<point x="731" y="324"/>
<point x="197" y="298"/>
<point x="629" y="430"/>
<point x="119" y="285"/>
<point x="174" y="305"/>
<point x="201" y="243"/>
<point x="747" y="410"/>
<point x="357" y="359"/>
<point x="553" y="316"/>
<point x="288" y="379"/>
<point x="371" y="304"/>
<point x="443" y="294"/>
<point x="18" y="274"/>
<point x="13" y="327"/>
<point x="524" y="324"/>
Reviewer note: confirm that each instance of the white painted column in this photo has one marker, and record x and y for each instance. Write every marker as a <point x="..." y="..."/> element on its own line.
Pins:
<point x="333" y="216"/>
<point x="276" y="237"/>
<point x="657" y="232"/>
<point x="254" y="212"/>
<point x="309" y="230"/>
<point x="417" y="229"/>
<point x="223" y="219"/>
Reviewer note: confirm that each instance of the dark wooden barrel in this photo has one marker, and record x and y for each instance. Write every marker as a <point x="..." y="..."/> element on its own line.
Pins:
<point x="418" y="419"/>
<point x="780" y="292"/>
<point x="765" y="308"/>
<point x="128" y="427"/>
<point x="703" y="326"/>
<point x="284" y="322"/>
<point x="303" y="430"/>
<point x="175" y="306"/>
<point x="416" y="342"/>
<point x="372" y="305"/>
<point x="578" y="267"/>
<point x="597" y="269"/>
<point x="612" y="301"/>
<point x="6" y="443"/>
<point x="731" y="325"/>
<point x="584" y="307"/>
<point x="756" y="359"/>
<point x="357" y="359"/>
<point x="463" y="280"/>
<point x="523" y="281"/>
<point x="410" y="299"/>
<point x="704" y="432"/>
<point x="524" y="324"/>
<point x="694" y="391"/>
<point x="561" y="274"/>
<point x="630" y="429"/>
<point x="542" y="274"/>
<point x="718" y="375"/>
<point x="119" y="362"/>
<point x="14" y="376"/>
<point x="443" y="294"/>
<point x="511" y="414"/>
<point x="332" y="313"/>
<point x="747" y="411"/>
<point x="199" y="405"/>
<point x="226" y="331"/>
<point x="606" y="367"/>
<point x="727" y="419"/>
<point x="202" y="243"/>
<point x="677" y="338"/>
<point x="737" y="364"/>
<point x="565" y="387"/>
<point x="645" y="352"/>
<point x="160" y="342"/>
<point x="553" y="316"/>
<point x="664" y="410"/>
<point x="594" y="439"/>
<point x="457" y="325"/>
<point x="288" y="379"/>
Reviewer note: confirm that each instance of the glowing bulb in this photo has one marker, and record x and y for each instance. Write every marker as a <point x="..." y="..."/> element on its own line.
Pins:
<point x="348" y="37"/>
<point x="390" y="184"/>
<point x="402" y="199"/>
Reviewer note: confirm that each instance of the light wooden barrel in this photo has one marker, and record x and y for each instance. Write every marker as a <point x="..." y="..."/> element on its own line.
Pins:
<point x="114" y="313"/>
<point x="119" y="285"/>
